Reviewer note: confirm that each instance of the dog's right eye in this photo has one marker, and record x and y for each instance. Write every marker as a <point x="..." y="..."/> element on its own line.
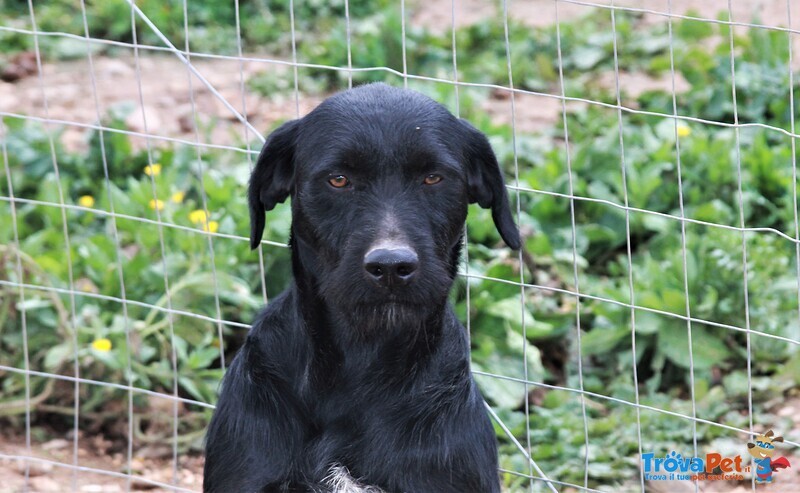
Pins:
<point x="432" y="179"/>
<point x="338" y="181"/>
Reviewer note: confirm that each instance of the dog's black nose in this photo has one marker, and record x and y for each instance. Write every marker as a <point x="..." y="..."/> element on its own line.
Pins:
<point x="391" y="267"/>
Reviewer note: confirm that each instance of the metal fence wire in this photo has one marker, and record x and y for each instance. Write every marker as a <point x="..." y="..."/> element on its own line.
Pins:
<point x="40" y="296"/>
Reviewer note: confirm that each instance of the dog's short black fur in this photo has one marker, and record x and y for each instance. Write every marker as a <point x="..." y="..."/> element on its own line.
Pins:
<point x="360" y="366"/>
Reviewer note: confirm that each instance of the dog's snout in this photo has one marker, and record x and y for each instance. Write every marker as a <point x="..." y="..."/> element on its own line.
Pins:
<point x="391" y="266"/>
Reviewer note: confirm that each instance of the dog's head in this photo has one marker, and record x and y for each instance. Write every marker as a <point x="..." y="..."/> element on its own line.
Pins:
<point x="380" y="180"/>
<point x="764" y="445"/>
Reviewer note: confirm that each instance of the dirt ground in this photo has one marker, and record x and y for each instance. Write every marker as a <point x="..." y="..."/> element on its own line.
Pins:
<point x="166" y="82"/>
<point x="167" y="85"/>
<point x="168" y="110"/>
<point x="438" y="15"/>
<point x="49" y="474"/>
<point x="165" y="91"/>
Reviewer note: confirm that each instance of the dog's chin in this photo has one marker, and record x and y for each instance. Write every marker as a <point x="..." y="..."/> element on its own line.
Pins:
<point x="386" y="315"/>
<point x="369" y="309"/>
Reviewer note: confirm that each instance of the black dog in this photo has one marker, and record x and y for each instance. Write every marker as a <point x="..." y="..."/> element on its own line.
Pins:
<point x="357" y="377"/>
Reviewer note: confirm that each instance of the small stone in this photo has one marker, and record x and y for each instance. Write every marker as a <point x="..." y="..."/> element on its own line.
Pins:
<point x="115" y="68"/>
<point x="38" y="468"/>
<point x="136" y="122"/>
<point x="56" y="444"/>
<point x="101" y="488"/>
<point x="43" y="484"/>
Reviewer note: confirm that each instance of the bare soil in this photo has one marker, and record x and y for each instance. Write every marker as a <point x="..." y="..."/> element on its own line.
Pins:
<point x="438" y="15"/>
<point x="171" y="99"/>
<point x="53" y="471"/>
<point x="164" y="106"/>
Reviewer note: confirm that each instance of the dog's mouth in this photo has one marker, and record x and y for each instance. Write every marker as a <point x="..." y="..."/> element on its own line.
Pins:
<point x="386" y="313"/>
<point x="393" y="301"/>
<point x="397" y="299"/>
<point x="390" y="301"/>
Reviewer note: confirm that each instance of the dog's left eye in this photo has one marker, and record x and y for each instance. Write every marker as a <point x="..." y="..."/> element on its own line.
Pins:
<point x="338" y="181"/>
<point x="432" y="179"/>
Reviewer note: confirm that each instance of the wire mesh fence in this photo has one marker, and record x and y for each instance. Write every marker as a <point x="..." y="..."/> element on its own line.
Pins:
<point x="650" y="152"/>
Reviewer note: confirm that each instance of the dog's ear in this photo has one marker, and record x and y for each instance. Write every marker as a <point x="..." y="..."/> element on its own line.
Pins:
<point x="485" y="183"/>
<point x="272" y="179"/>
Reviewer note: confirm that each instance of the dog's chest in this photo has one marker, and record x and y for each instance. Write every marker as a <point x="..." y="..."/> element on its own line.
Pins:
<point x="339" y="480"/>
<point x="347" y="405"/>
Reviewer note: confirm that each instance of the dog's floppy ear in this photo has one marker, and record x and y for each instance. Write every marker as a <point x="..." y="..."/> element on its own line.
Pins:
<point x="272" y="179"/>
<point x="485" y="183"/>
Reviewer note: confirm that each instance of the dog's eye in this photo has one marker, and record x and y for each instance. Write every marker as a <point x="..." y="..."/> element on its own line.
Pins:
<point x="338" y="181"/>
<point x="432" y="179"/>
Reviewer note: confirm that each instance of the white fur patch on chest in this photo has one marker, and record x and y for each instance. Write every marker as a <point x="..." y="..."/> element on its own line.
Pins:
<point x="339" y="480"/>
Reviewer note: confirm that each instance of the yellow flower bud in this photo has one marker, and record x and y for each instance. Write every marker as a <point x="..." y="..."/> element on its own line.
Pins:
<point x="102" y="345"/>
<point x="684" y="131"/>
<point x="86" y="201"/>
<point x="156" y="204"/>
<point x="198" y="216"/>
<point x="211" y="226"/>
<point x="178" y="197"/>
<point x="152" y="169"/>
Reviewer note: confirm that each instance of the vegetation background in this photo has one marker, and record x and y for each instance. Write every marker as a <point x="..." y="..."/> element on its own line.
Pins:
<point x="123" y="256"/>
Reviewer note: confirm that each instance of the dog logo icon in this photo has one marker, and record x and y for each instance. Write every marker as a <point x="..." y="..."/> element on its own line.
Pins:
<point x="762" y="451"/>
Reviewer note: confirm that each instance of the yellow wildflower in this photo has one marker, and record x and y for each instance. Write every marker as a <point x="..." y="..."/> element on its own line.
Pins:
<point x="152" y="169"/>
<point x="684" y="131"/>
<point x="102" y="345"/>
<point x="178" y="197"/>
<point x="198" y="216"/>
<point x="86" y="201"/>
<point x="211" y="226"/>
<point x="156" y="204"/>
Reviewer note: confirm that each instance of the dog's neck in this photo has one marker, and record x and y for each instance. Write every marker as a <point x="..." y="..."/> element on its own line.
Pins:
<point x="304" y="267"/>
